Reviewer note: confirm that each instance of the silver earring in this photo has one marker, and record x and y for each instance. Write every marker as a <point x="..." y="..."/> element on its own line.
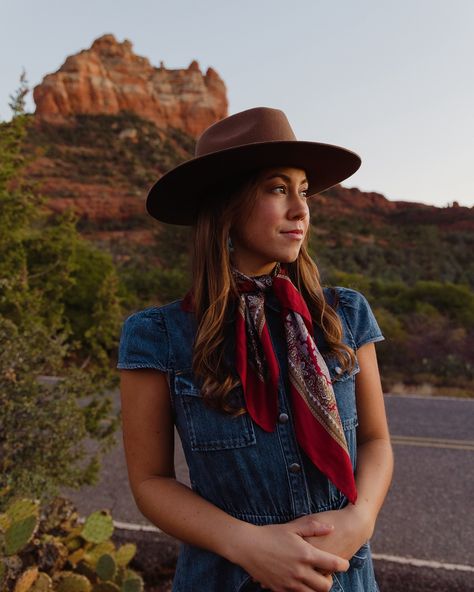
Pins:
<point x="230" y="246"/>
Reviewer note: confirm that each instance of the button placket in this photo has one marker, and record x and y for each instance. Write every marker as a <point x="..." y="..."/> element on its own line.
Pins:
<point x="284" y="427"/>
<point x="292" y="459"/>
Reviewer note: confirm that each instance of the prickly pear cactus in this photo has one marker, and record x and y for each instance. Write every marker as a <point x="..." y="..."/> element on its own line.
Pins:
<point x="98" y="527"/>
<point x="22" y="508"/>
<point x="106" y="567"/>
<point x="73" y="541"/>
<point x="68" y="581"/>
<point x="19" y="534"/>
<point x="26" y="580"/>
<point x="93" y="552"/>
<point x="77" y="556"/>
<point x="105" y="587"/>
<point x="125" y="554"/>
<point x="43" y="584"/>
<point x="54" y="552"/>
<point x="132" y="584"/>
<point x="21" y="522"/>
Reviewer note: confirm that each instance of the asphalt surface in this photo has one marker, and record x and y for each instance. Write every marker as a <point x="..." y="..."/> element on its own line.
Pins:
<point x="427" y="518"/>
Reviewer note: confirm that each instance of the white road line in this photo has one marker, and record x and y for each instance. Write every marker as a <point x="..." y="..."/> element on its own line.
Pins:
<point x="377" y="556"/>
<point x="423" y="562"/>
<point x="136" y="527"/>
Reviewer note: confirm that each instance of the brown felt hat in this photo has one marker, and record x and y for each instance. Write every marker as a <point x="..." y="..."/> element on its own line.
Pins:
<point x="239" y="144"/>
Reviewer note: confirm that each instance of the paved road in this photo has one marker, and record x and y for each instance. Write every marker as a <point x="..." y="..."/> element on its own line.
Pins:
<point x="428" y="512"/>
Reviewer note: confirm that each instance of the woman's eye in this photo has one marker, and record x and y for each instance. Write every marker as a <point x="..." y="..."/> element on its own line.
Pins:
<point x="279" y="187"/>
<point x="304" y="192"/>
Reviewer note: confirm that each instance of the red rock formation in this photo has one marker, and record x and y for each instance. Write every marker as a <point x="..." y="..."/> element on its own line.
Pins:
<point x="110" y="78"/>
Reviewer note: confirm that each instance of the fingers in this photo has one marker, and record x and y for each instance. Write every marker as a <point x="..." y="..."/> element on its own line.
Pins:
<point x="328" y="563"/>
<point x="308" y="526"/>
<point x="309" y="580"/>
<point x="318" y="583"/>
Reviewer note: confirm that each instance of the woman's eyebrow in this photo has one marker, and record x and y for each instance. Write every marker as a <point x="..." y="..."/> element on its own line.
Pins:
<point x="285" y="177"/>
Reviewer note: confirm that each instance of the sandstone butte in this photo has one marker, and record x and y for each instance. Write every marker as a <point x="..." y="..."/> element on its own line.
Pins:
<point x="110" y="78"/>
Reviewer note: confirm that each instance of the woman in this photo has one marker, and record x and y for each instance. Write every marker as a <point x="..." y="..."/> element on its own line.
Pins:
<point x="271" y="380"/>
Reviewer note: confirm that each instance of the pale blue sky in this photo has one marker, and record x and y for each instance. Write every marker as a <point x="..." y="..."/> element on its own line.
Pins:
<point x="393" y="81"/>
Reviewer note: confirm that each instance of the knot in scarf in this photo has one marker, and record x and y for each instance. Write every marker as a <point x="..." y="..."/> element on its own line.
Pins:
<point x="318" y="426"/>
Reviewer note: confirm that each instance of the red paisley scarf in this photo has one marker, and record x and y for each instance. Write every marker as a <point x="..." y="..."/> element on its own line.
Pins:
<point x="318" y="425"/>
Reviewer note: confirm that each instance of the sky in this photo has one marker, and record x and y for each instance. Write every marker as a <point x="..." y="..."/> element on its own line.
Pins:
<point x="393" y="81"/>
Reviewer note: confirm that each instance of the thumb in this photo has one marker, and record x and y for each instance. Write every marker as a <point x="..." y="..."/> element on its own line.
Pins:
<point x="309" y="526"/>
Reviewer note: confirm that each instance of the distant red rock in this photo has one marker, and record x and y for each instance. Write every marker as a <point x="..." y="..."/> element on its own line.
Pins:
<point x="110" y="78"/>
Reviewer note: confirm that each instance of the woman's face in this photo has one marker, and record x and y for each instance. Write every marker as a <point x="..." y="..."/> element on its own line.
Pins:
<point x="276" y="224"/>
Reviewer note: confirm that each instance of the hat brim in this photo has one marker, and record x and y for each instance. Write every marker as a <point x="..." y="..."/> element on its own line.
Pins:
<point x="176" y="197"/>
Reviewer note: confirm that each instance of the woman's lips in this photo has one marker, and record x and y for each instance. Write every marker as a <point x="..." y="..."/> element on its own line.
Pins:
<point x="294" y="234"/>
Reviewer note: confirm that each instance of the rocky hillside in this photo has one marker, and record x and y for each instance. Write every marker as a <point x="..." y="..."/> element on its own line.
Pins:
<point x="109" y="78"/>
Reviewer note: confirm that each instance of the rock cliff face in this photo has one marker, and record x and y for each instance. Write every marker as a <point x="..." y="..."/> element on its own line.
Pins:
<point x="110" y="78"/>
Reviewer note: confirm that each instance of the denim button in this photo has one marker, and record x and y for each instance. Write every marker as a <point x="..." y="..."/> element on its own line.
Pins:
<point x="338" y="370"/>
<point x="294" y="468"/>
<point x="283" y="418"/>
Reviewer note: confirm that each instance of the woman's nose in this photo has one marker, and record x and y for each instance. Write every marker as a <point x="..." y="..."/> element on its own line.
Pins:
<point x="298" y="207"/>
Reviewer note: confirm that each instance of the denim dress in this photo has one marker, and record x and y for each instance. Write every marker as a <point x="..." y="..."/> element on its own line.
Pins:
<point x="256" y="476"/>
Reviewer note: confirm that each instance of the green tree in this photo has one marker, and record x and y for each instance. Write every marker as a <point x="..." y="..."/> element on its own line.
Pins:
<point x="43" y="262"/>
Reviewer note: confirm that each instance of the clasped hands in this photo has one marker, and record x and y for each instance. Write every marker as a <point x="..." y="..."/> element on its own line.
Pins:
<point x="304" y="553"/>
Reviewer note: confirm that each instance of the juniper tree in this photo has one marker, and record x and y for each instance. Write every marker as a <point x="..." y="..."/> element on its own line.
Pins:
<point x="44" y="424"/>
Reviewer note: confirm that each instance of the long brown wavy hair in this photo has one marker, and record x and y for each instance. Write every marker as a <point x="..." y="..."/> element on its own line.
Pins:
<point x="214" y="292"/>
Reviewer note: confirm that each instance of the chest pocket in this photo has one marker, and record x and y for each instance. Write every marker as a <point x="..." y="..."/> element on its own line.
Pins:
<point x="207" y="429"/>
<point x="343" y="383"/>
<point x="344" y="389"/>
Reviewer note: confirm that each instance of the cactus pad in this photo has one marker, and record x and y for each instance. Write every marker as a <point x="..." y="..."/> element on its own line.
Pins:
<point x="98" y="527"/>
<point x="74" y="543"/>
<point x="92" y="555"/>
<point x="106" y="587"/>
<point x="26" y="580"/>
<point x="19" y="533"/>
<point x="106" y="567"/>
<point x="125" y="554"/>
<point x="68" y="581"/>
<point x="43" y="584"/>
<point x="21" y="509"/>
<point x="134" y="584"/>
<point x="77" y="556"/>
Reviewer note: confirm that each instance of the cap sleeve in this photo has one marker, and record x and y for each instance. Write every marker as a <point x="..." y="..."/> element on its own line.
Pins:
<point x="144" y="342"/>
<point x="359" y="316"/>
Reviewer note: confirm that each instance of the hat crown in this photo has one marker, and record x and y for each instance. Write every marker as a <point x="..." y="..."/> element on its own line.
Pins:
<point x="260" y="124"/>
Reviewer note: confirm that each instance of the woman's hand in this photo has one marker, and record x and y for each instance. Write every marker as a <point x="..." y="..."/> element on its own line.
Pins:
<point x="352" y="528"/>
<point x="278" y="557"/>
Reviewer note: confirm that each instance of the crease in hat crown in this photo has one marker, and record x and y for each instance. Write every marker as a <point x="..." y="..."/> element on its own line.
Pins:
<point x="252" y="126"/>
<point x="241" y="144"/>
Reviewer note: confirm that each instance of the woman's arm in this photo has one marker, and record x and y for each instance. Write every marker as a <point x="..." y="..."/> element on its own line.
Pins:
<point x="277" y="555"/>
<point x="354" y="524"/>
